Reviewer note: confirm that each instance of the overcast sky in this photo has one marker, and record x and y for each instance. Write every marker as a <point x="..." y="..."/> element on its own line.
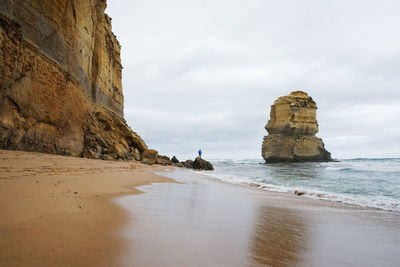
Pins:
<point x="203" y="74"/>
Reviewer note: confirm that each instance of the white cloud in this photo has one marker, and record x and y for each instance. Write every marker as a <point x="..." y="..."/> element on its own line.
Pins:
<point x="204" y="73"/>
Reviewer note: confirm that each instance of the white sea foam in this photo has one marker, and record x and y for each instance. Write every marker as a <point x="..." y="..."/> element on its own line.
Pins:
<point x="356" y="184"/>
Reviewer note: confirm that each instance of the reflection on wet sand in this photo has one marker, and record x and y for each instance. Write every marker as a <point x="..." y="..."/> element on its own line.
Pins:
<point x="279" y="237"/>
<point x="208" y="223"/>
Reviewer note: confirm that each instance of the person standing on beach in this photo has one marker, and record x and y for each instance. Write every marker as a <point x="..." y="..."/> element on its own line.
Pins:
<point x="200" y="152"/>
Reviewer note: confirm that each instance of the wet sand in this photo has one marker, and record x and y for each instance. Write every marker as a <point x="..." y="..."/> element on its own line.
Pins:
<point x="208" y="223"/>
<point x="56" y="211"/>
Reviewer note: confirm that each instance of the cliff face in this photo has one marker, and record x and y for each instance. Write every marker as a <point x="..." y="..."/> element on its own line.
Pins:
<point x="60" y="80"/>
<point x="292" y="128"/>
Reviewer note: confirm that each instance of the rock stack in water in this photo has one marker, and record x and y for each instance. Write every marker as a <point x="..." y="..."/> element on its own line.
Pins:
<point x="292" y="127"/>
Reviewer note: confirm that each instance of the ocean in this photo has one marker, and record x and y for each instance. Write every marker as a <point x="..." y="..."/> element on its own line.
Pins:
<point x="365" y="182"/>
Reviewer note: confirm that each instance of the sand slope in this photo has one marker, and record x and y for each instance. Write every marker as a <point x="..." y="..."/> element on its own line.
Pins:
<point x="55" y="210"/>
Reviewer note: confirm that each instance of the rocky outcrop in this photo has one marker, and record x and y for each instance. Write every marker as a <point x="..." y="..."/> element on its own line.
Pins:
<point x="108" y="137"/>
<point x="163" y="160"/>
<point x="197" y="164"/>
<point x="188" y="164"/>
<point x="60" y="81"/>
<point x="150" y="156"/>
<point x="292" y="128"/>
<point x="174" y="160"/>
<point x="201" y="164"/>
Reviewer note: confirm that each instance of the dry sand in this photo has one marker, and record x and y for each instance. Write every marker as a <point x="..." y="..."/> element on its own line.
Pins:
<point x="56" y="210"/>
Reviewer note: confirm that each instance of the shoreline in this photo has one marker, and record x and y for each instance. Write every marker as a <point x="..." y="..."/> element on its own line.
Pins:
<point x="202" y="221"/>
<point x="285" y="194"/>
<point x="60" y="210"/>
<point x="288" y="193"/>
<point x="319" y="181"/>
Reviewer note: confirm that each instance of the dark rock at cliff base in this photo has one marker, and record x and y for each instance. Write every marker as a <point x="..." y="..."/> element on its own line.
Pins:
<point x="174" y="160"/>
<point x="292" y="127"/>
<point x="188" y="164"/>
<point x="163" y="160"/>
<point x="106" y="157"/>
<point x="201" y="164"/>
<point x="90" y="154"/>
<point x="149" y="156"/>
<point x="180" y="165"/>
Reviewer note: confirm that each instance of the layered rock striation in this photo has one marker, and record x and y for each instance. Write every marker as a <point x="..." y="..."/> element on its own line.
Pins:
<point x="60" y="81"/>
<point x="292" y="127"/>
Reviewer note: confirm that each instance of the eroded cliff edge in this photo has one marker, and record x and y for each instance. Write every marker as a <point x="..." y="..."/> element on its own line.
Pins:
<point x="292" y="127"/>
<point x="60" y="81"/>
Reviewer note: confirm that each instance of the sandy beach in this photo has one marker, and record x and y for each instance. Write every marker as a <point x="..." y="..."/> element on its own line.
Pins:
<point x="77" y="212"/>
<point x="56" y="210"/>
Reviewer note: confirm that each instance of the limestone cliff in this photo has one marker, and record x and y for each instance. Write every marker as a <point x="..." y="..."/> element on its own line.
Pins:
<point x="60" y="80"/>
<point x="292" y="128"/>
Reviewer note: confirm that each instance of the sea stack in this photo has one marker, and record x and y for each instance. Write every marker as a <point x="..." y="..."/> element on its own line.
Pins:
<point x="292" y="127"/>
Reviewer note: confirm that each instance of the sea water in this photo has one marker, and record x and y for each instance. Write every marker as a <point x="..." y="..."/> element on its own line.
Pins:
<point x="365" y="181"/>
